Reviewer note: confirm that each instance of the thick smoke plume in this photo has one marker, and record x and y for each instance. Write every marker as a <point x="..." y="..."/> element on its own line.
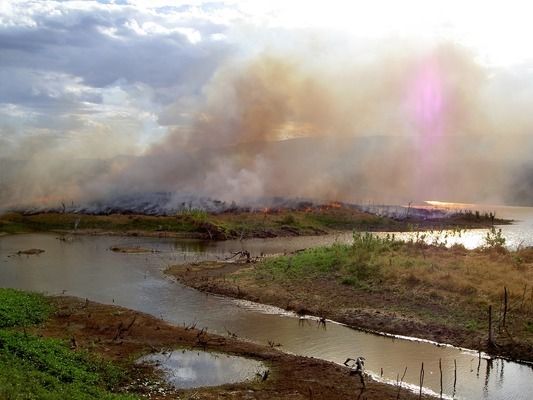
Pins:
<point x="378" y="126"/>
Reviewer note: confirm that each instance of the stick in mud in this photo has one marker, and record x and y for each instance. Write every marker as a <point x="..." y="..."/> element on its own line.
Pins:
<point x="421" y="380"/>
<point x="357" y="368"/>
<point x="440" y="370"/>
<point x="454" y="376"/>
<point x="400" y="383"/>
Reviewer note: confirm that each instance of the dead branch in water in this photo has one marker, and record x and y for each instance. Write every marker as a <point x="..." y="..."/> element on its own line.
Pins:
<point x="241" y="254"/>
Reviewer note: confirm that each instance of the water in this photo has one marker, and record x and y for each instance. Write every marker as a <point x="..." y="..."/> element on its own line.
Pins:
<point x="85" y="267"/>
<point x="519" y="234"/>
<point x="186" y="369"/>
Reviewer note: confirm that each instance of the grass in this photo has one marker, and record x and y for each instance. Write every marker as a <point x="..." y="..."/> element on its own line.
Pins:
<point x="350" y="264"/>
<point x="18" y="223"/>
<point x="243" y="224"/>
<point x="33" y="367"/>
<point x="19" y="308"/>
<point x="216" y="226"/>
<point x="435" y="284"/>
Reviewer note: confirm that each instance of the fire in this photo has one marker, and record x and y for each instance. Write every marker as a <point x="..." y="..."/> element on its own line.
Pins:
<point x="335" y="204"/>
<point x="332" y="205"/>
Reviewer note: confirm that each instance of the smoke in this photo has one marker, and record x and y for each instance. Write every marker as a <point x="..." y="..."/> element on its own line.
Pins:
<point x="391" y="124"/>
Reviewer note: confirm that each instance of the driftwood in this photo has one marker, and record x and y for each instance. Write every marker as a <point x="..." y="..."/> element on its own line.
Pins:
<point x="123" y="329"/>
<point x="357" y="368"/>
<point x="241" y="254"/>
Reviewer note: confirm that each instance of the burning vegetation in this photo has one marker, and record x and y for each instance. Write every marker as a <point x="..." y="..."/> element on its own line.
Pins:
<point x="217" y="220"/>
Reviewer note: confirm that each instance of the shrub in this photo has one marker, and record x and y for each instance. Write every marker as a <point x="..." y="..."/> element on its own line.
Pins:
<point x="494" y="239"/>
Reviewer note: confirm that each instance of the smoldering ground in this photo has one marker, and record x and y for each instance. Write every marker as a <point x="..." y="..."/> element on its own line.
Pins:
<point x="394" y="124"/>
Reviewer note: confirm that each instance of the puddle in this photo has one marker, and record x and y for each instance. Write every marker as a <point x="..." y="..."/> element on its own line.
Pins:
<point x="85" y="267"/>
<point x="185" y="369"/>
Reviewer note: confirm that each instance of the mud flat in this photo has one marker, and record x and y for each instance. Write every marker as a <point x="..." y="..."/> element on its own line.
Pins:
<point x="428" y="292"/>
<point x="121" y="336"/>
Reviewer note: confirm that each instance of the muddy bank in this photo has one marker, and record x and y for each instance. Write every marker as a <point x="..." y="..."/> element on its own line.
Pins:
<point x="30" y="252"/>
<point x="123" y="335"/>
<point x="361" y="309"/>
<point x="131" y="250"/>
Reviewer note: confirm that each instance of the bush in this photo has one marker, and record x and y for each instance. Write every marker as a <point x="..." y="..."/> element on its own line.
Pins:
<point x="494" y="239"/>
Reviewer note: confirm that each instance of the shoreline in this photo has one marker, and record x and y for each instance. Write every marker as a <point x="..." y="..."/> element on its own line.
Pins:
<point x="217" y="278"/>
<point x="93" y="326"/>
<point x="238" y="225"/>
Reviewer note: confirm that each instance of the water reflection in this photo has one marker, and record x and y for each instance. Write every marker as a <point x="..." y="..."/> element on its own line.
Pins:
<point x="85" y="267"/>
<point x="189" y="369"/>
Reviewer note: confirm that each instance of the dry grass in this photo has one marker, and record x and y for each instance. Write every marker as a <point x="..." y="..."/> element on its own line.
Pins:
<point x="481" y="274"/>
<point x="442" y="288"/>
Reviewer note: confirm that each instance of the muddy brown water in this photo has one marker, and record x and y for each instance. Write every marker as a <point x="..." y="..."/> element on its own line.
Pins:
<point x="85" y="267"/>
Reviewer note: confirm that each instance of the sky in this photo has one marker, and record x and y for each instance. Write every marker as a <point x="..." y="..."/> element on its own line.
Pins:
<point x="161" y="80"/>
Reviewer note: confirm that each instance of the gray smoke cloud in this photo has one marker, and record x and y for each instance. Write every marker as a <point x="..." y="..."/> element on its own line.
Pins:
<point x="389" y="121"/>
<point x="354" y="134"/>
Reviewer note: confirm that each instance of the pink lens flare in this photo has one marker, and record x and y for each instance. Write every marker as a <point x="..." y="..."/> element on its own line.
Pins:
<point x="427" y="103"/>
<point x="426" y="99"/>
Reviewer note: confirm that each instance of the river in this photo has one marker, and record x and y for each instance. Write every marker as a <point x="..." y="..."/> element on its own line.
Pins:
<point x="85" y="267"/>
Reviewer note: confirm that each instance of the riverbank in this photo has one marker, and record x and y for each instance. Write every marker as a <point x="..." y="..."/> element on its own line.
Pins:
<point x="197" y="224"/>
<point x="410" y="289"/>
<point x="98" y="345"/>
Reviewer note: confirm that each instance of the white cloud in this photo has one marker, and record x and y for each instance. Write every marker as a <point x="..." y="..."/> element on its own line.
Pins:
<point x="67" y="65"/>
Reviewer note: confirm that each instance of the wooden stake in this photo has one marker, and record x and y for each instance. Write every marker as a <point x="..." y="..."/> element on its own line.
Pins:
<point x="421" y="380"/>
<point x="440" y="369"/>
<point x="454" y="376"/>
<point x="400" y="384"/>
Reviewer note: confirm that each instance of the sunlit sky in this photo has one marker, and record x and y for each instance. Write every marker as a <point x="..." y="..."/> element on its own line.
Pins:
<point x="499" y="31"/>
<point x="84" y="68"/>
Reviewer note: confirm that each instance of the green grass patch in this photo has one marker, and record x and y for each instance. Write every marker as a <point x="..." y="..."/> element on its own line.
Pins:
<point x="16" y="223"/>
<point x="346" y="221"/>
<point x="472" y="325"/>
<point x="19" y="308"/>
<point x="38" y="368"/>
<point x="354" y="265"/>
<point x="32" y="367"/>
